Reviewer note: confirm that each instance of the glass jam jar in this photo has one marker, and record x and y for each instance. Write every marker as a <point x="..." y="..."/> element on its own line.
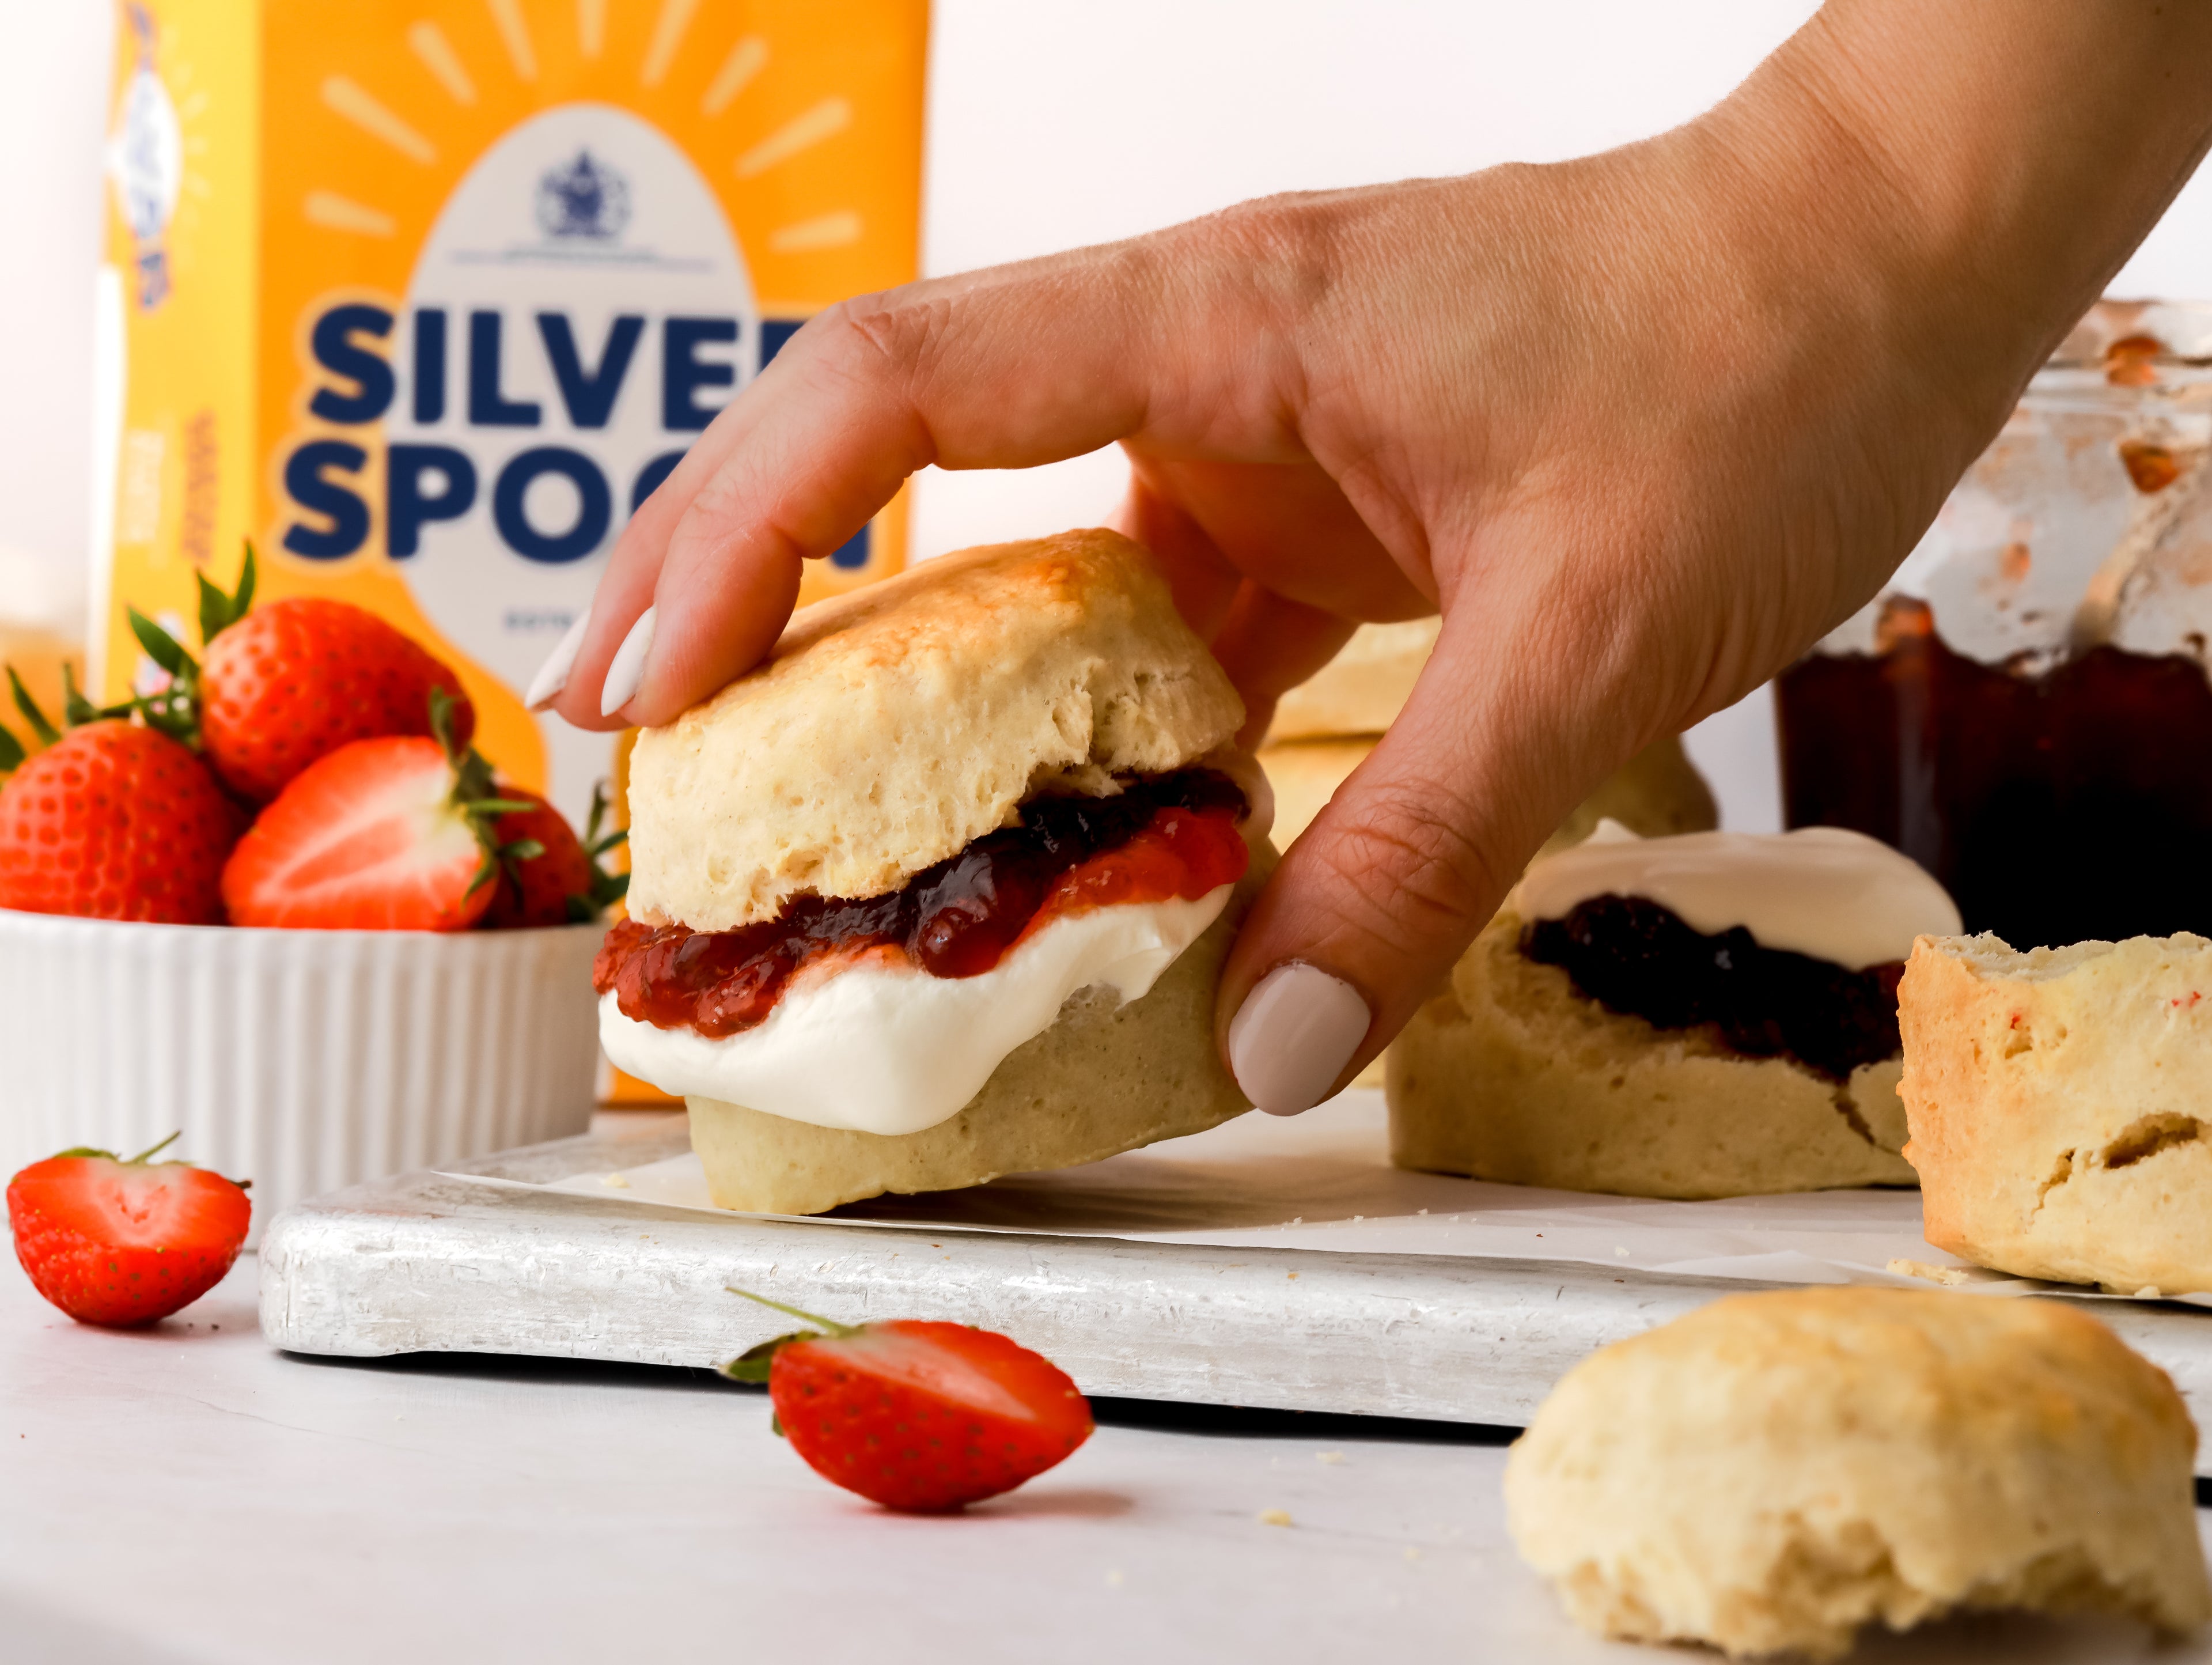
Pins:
<point x="2027" y="710"/>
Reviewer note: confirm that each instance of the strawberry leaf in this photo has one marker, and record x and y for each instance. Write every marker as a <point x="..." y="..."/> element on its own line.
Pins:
<point x="75" y="709"/>
<point x="754" y="1364"/>
<point x="11" y="752"/>
<point x="218" y="611"/>
<point x="164" y="649"/>
<point x="45" y="732"/>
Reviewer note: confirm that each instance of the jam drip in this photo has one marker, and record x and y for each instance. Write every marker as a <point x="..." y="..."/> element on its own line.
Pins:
<point x="1636" y="957"/>
<point x="1171" y="835"/>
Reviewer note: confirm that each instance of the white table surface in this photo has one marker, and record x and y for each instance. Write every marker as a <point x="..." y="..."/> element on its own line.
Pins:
<point x="187" y="1494"/>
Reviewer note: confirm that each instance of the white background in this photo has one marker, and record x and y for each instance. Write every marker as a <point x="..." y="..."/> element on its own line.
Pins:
<point x="1053" y="123"/>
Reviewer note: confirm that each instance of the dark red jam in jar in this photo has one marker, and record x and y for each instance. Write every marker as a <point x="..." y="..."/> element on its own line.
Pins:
<point x="1636" y="957"/>
<point x="2056" y="807"/>
<point x="1168" y="836"/>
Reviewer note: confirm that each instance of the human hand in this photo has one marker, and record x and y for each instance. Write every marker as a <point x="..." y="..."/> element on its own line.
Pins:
<point x="1641" y="426"/>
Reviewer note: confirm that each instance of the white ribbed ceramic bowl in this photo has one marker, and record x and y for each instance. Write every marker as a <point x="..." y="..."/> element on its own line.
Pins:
<point x="303" y="1061"/>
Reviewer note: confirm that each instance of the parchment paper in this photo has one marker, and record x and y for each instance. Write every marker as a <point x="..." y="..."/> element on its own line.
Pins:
<point x="1323" y="1180"/>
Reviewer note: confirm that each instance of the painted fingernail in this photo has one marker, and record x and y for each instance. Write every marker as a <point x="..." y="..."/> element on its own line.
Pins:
<point x="627" y="674"/>
<point x="553" y="676"/>
<point x="1291" y="1038"/>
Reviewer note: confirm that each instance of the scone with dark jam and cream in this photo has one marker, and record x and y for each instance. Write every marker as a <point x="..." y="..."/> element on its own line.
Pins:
<point x="1709" y="1015"/>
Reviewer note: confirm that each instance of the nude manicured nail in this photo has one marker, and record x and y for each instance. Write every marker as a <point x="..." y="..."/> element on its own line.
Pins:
<point x="1291" y="1038"/>
<point x="627" y="674"/>
<point x="553" y="676"/>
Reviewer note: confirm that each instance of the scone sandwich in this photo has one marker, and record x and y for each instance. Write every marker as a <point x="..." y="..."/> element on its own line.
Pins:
<point x="941" y="891"/>
<point x="1709" y="1015"/>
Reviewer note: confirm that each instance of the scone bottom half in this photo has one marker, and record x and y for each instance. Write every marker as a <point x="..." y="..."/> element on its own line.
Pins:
<point x="1704" y="1015"/>
<point x="2060" y="1102"/>
<point x="1776" y="1472"/>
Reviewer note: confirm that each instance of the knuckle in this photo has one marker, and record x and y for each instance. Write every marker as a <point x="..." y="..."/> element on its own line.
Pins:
<point x="1279" y="255"/>
<point x="1410" y="869"/>
<point x="878" y="340"/>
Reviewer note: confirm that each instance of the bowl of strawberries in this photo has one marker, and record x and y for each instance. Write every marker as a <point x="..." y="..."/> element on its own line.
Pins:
<point x="280" y="904"/>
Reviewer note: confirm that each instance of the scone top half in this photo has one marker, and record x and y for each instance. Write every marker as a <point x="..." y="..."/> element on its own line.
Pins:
<point x="891" y="727"/>
<point x="866" y="873"/>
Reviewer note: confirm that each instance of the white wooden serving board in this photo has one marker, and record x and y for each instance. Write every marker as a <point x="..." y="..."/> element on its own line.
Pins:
<point x="466" y="1263"/>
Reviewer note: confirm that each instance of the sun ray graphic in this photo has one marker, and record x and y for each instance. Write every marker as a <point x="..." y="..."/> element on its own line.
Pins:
<point x="592" y="26"/>
<point x="831" y="231"/>
<point x="350" y="99"/>
<point x="667" y="35"/>
<point x="335" y="213"/>
<point x="826" y="120"/>
<point x="746" y="59"/>
<point x="515" y="31"/>
<point x="428" y="43"/>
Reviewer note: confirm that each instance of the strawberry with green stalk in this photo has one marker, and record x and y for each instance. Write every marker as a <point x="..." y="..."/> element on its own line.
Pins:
<point x="288" y="683"/>
<point x="919" y="1416"/>
<point x="397" y="833"/>
<point x="123" y="1241"/>
<point x="112" y="820"/>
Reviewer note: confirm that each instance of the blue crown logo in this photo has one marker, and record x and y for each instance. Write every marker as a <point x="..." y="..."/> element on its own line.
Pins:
<point x="583" y="199"/>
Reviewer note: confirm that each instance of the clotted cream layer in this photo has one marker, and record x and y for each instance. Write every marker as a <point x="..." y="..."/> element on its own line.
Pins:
<point x="892" y="1049"/>
<point x="1836" y="894"/>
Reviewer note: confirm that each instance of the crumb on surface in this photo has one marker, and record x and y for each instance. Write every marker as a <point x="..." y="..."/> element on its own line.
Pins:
<point x="1949" y="1276"/>
<point x="1330" y="1457"/>
<point x="1275" y="1518"/>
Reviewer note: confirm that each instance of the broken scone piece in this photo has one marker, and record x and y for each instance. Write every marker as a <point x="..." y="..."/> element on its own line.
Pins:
<point x="2059" y="1102"/>
<point x="1711" y="1015"/>
<point x="1774" y="1470"/>
<point x="941" y="891"/>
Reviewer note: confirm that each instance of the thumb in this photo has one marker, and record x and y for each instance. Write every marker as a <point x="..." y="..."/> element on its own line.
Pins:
<point x="1376" y="901"/>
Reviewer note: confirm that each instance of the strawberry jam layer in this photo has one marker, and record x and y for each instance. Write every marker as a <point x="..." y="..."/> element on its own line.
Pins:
<point x="1173" y="837"/>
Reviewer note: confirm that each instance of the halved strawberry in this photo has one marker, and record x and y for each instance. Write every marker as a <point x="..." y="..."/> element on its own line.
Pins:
<point x="384" y="835"/>
<point x="119" y="1242"/>
<point x="916" y="1415"/>
<point x="547" y="875"/>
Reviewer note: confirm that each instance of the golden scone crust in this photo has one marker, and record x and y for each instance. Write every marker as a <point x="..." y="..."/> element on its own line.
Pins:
<point x="1773" y="1471"/>
<point x="2060" y="1102"/>
<point x="1513" y="1074"/>
<point x="1362" y="689"/>
<point x="891" y="727"/>
<point x="1102" y="1079"/>
<point x="1304" y="775"/>
<point x="1655" y="795"/>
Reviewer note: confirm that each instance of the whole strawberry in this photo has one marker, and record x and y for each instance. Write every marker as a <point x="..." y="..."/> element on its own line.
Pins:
<point x="916" y="1415"/>
<point x="113" y="821"/>
<point x="289" y="684"/>
<point x="124" y="1243"/>
<point x="393" y="834"/>
<point x="547" y="875"/>
<point x="296" y="679"/>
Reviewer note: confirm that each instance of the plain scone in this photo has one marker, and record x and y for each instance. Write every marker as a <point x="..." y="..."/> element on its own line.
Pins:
<point x="1362" y="689"/>
<point x="1104" y="1078"/>
<point x="1656" y="793"/>
<point x="1773" y="1471"/>
<point x="1513" y="1074"/>
<point x="890" y="728"/>
<point x="2059" y="1102"/>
